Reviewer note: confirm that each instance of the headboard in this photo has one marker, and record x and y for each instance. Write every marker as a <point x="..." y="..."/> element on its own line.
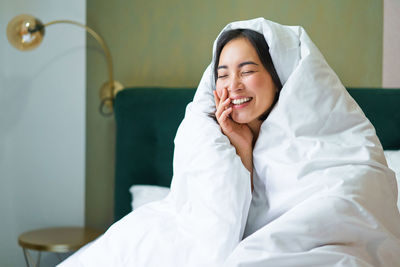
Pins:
<point x="147" y="120"/>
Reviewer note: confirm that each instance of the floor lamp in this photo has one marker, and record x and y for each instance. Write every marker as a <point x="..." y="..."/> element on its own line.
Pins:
<point x="26" y="32"/>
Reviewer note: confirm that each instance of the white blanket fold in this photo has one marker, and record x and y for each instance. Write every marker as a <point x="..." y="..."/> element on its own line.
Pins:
<point x="323" y="195"/>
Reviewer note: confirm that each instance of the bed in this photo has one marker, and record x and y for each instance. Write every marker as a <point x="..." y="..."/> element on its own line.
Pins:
<point x="147" y="120"/>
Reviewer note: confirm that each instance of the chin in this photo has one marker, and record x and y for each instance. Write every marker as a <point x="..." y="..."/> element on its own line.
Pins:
<point x="240" y="119"/>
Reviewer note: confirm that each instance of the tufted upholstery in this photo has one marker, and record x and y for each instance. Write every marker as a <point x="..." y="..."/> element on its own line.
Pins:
<point x="147" y="120"/>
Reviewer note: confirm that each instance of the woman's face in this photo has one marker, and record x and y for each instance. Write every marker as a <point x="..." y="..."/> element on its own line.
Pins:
<point x="249" y="85"/>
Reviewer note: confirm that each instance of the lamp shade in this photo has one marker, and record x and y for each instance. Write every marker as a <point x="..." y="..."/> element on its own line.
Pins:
<point x="25" y="32"/>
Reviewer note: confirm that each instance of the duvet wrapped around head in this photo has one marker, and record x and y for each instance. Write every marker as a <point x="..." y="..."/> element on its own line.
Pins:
<point x="321" y="181"/>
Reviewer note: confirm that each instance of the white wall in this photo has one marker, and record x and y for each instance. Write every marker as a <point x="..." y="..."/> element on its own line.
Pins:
<point x="391" y="44"/>
<point x="42" y="126"/>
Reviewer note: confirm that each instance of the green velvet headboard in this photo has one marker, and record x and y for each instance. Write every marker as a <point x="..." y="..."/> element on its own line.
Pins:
<point x="147" y="120"/>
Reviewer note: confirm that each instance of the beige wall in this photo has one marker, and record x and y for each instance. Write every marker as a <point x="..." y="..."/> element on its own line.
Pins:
<point x="168" y="43"/>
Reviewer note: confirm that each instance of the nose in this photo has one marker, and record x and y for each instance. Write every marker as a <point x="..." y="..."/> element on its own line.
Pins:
<point x="234" y="84"/>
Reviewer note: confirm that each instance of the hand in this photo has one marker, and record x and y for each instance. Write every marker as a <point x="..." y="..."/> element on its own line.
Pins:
<point x="240" y="135"/>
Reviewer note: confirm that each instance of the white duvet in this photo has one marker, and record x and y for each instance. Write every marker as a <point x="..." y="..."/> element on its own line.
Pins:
<point x="323" y="195"/>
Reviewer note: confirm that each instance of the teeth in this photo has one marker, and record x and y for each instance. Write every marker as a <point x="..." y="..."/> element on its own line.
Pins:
<point x="240" y="101"/>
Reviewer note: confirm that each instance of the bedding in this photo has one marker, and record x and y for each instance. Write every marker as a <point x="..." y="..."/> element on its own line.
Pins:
<point x="143" y="194"/>
<point x="393" y="161"/>
<point x="320" y="182"/>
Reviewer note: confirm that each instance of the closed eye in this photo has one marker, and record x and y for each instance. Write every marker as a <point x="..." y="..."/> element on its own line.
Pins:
<point x="248" y="72"/>
<point x="222" y="76"/>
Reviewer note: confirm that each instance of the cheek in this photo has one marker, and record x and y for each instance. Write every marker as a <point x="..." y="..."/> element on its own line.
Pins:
<point x="264" y="89"/>
<point x="256" y="82"/>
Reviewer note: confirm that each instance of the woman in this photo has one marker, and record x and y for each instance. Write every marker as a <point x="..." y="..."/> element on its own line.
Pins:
<point x="322" y="193"/>
<point x="247" y="87"/>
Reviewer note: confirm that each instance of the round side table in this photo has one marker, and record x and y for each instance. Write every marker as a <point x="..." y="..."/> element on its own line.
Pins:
<point x="57" y="240"/>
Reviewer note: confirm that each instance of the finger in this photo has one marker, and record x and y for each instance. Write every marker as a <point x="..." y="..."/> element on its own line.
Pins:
<point x="226" y="103"/>
<point x="224" y="119"/>
<point x="224" y="94"/>
<point x="220" y="110"/>
<point x="225" y="114"/>
<point x="218" y="93"/>
<point x="222" y="106"/>
<point x="216" y="98"/>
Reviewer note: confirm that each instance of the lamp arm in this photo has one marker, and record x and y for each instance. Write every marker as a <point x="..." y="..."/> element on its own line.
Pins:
<point x="99" y="39"/>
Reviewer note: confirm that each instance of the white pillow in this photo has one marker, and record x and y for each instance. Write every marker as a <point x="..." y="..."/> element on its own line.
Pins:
<point x="393" y="161"/>
<point x="143" y="194"/>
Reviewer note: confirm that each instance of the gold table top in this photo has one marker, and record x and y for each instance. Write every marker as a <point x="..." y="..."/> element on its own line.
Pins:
<point x="57" y="239"/>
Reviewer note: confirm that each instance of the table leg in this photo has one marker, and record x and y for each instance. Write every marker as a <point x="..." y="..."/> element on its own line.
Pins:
<point x="38" y="259"/>
<point x="28" y="259"/>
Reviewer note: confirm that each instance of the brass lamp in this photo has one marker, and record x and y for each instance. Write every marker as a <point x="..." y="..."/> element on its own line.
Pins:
<point x="26" y="32"/>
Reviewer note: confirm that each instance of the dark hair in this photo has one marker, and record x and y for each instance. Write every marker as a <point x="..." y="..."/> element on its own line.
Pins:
<point x="262" y="49"/>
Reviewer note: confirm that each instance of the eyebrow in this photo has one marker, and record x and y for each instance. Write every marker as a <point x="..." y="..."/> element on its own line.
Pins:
<point x="240" y="65"/>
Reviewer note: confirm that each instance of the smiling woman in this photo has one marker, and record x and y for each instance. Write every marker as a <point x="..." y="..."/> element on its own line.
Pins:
<point x="258" y="49"/>
<point x="245" y="90"/>
<point x="250" y="89"/>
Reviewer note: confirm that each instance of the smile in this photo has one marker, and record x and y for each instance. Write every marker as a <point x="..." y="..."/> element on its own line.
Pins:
<point x="241" y="100"/>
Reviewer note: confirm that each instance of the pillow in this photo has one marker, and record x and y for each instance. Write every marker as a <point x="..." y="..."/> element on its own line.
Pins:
<point x="143" y="194"/>
<point x="393" y="161"/>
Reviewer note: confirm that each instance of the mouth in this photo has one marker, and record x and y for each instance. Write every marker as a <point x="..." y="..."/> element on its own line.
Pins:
<point x="241" y="102"/>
